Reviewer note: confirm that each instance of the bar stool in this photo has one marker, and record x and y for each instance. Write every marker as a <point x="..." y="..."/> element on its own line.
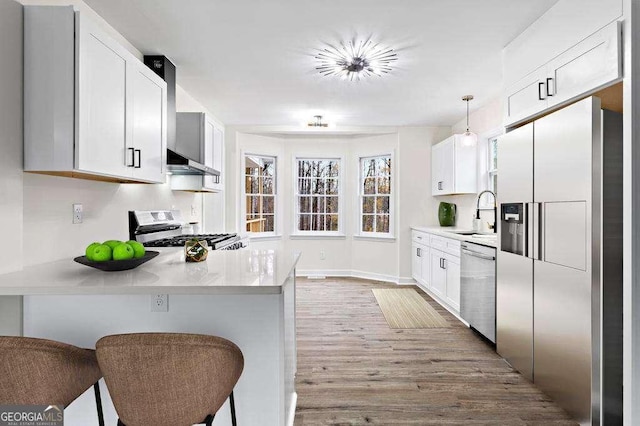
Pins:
<point x="45" y="372"/>
<point x="167" y="379"/>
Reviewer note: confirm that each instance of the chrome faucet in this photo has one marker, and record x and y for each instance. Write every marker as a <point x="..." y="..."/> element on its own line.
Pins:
<point x="495" y="208"/>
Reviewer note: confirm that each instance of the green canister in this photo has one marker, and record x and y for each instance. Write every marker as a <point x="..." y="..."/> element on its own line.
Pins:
<point x="447" y="214"/>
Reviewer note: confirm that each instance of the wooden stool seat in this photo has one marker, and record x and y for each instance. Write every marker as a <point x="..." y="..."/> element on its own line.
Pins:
<point x="167" y="379"/>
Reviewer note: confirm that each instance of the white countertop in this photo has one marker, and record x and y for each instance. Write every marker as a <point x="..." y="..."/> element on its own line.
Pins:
<point x="490" y="240"/>
<point x="224" y="272"/>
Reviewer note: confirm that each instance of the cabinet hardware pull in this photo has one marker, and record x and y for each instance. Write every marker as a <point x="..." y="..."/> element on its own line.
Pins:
<point x="444" y="264"/>
<point x="133" y="156"/>
<point x="540" y="91"/>
<point x="139" y="158"/>
<point x="418" y="251"/>
<point x="550" y="92"/>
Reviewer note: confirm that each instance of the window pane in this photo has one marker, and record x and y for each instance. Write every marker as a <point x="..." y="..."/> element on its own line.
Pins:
<point x="331" y="185"/>
<point x="384" y="185"/>
<point x="304" y="169"/>
<point x="317" y="204"/>
<point x="493" y="147"/>
<point x="383" y="166"/>
<point x="369" y="168"/>
<point x="304" y="204"/>
<point x="382" y="204"/>
<point x="332" y="204"/>
<point x="304" y="186"/>
<point x="368" y="204"/>
<point x="370" y="186"/>
<point x="494" y="183"/>
<point x="317" y="186"/>
<point x="331" y="222"/>
<point x="269" y="167"/>
<point x="251" y="185"/>
<point x="333" y="169"/>
<point x="382" y="223"/>
<point x="267" y="185"/>
<point x="253" y="204"/>
<point x="304" y="222"/>
<point x="269" y="223"/>
<point x="317" y="223"/>
<point x="268" y="204"/>
<point x="367" y="223"/>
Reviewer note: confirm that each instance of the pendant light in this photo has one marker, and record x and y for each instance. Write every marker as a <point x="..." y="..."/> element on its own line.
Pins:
<point x="468" y="138"/>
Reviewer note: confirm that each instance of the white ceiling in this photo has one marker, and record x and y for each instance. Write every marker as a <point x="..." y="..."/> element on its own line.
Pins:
<point x="250" y="62"/>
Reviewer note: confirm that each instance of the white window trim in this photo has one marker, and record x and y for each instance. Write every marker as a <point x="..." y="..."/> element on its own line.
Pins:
<point x="486" y="158"/>
<point x="276" y="234"/>
<point x="295" y="233"/>
<point x="359" y="234"/>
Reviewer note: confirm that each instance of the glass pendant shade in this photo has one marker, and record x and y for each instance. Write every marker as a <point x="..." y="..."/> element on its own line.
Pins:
<point x="469" y="138"/>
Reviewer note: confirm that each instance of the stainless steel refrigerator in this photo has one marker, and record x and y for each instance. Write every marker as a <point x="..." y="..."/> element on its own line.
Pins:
<point x="559" y="262"/>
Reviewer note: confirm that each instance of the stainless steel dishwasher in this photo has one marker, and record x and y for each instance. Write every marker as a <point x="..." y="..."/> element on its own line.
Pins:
<point x="478" y="288"/>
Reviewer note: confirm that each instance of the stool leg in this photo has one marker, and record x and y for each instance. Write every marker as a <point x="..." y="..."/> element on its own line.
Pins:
<point x="232" y="403"/>
<point x="120" y="423"/>
<point x="96" y="390"/>
<point x="208" y="421"/>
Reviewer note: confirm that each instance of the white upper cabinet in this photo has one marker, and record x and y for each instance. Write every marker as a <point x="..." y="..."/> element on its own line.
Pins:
<point x="453" y="167"/>
<point x="92" y="109"/>
<point x="199" y="138"/>
<point x="562" y="57"/>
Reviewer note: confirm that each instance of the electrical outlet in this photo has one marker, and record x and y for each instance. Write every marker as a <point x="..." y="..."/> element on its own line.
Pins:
<point x="160" y="303"/>
<point x="77" y="213"/>
<point x="322" y="256"/>
<point x="194" y="212"/>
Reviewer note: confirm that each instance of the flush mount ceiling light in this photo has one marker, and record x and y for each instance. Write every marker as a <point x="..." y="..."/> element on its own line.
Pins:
<point x="317" y="122"/>
<point x="355" y="60"/>
<point x="468" y="138"/>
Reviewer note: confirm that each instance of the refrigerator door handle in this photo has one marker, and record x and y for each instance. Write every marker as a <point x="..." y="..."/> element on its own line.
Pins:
<point x="537" y="228"/>
<point x="528" y="238"/>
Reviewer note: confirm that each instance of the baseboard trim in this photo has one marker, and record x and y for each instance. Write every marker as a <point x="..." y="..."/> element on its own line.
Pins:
<point x="292" y="409"/>
<point x="346" y="273"/>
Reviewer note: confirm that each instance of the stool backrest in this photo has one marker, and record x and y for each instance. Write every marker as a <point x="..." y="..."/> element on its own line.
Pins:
<point x="44" y="372"/>
<point x="167" y="379"/>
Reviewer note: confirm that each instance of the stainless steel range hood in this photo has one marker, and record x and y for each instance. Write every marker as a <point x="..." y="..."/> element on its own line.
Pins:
<point x="180" y="165"/>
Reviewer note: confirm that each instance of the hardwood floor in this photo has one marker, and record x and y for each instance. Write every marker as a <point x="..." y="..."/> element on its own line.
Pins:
<point x="354" y="370"/>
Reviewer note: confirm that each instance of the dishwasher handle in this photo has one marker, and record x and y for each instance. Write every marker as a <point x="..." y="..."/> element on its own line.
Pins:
<point x="476" y="254"/>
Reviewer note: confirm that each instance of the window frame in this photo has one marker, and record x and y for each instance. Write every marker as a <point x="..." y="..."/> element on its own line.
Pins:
<point x="360" y="195"/>
<point x="276" y="197"/>
<point x="295" y="232"/>
<point x="486" y="202"/>
<point x="491" y="171"/>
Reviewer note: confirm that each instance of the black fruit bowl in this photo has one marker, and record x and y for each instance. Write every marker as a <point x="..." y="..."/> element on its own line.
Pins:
<point x="117" y="265"/>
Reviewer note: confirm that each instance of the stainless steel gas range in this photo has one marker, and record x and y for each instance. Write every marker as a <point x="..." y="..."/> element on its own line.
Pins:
<point x="163" y="228"/>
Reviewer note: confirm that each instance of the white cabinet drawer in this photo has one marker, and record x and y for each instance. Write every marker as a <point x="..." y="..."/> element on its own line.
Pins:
<point x="420" y="237"/>
<point x="446" y="245"/>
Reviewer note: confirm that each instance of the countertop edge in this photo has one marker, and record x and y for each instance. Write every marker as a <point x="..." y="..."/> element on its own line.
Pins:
<point x="449" y="233"/>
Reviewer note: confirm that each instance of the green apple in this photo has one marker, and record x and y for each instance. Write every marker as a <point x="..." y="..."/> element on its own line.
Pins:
<point x="138" y="249"/>
<point x="122" y="252"/>
<point x="101" y="253"/>
<point x="89" y="250"/>
<point x="113" y="243"/>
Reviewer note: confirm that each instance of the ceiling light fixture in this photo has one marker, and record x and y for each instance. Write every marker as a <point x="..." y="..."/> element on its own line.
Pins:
<point x="468" y="138"/>
<point x="355" y="60"/>
<point x="318" y="122"/>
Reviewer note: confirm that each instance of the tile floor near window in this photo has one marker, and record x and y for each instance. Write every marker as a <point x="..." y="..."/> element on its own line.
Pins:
<point x="354" y="370"/>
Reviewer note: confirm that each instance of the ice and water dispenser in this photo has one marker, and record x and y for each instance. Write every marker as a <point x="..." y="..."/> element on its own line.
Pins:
<point x="512" y="228"/>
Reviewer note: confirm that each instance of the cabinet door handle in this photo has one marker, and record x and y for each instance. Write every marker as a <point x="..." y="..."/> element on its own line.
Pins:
<point x="139" y="158"/>
<point x="133" y="155"/>
<point x="418" y="251"/>
<point x="550" y="91"/>
<point x="540" y="91"/>
<point x="444" y="263"/>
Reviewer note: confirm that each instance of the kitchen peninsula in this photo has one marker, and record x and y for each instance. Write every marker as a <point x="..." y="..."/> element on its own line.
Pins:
<point x="246" y="296"/>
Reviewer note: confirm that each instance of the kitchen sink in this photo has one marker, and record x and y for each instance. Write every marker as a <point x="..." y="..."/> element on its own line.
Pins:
<point x="463" y="232"/>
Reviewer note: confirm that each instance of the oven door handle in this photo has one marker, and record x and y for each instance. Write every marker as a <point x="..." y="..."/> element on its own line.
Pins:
<point x="476" y="254"/>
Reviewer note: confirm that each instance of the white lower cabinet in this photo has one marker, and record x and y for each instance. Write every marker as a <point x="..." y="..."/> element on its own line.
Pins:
<point x="435" y="263"/>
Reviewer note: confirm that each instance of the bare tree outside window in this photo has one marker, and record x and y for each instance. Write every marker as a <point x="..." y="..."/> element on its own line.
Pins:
<point x="375" y="194"/>
<point x="317" y="195"/>
<point x="260" y="193"/>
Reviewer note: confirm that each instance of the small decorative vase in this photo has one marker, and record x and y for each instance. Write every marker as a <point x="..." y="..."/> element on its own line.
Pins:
<point x="447" y="214"/>
<point x="195" y="251"/>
